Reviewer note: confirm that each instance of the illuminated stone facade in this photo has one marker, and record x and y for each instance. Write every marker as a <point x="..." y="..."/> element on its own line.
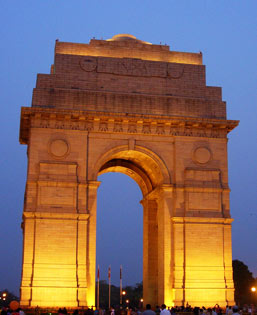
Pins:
<point x="124" y="105"/>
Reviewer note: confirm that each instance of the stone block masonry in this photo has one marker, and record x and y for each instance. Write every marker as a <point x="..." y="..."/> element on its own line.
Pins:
<point x="125" y="105"/>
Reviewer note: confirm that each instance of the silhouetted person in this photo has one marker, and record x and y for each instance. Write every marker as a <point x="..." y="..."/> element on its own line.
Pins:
<point x="148" y="310"/>
<point x="164" y="311"/>
<point x="235" y="310"/>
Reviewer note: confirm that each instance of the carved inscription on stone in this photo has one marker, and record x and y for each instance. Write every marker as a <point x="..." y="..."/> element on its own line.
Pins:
<point x="175" y="71"/>
<point x="132" y="67"/>
<point x="88" y="63"/>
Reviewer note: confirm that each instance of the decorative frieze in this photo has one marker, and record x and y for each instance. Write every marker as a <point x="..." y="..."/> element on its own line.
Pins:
<point x="100" y="122"/>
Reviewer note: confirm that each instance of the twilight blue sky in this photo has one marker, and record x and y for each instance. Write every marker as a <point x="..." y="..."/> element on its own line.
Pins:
<point x="225" y="32"/>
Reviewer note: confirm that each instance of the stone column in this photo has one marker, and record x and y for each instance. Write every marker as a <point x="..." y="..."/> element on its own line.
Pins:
<point x="207" y="261"/>
<point x="91" y="240"/>
<point x="165" y="267"/>
<point x="82" y="242"/>
<point x="28" y="226"/>
<point x="150" y="252"/>
<point x="228" y="270"/>
<point x="178" y="228"/>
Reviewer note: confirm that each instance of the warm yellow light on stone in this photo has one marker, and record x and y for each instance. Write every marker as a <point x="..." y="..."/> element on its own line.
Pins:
<point x="126" y="37"/>
<point x="144" y="111"/>
<point x="127" y="46"/>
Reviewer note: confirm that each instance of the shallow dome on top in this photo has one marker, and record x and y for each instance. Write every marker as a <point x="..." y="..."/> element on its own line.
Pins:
<point x="126" y="37"/>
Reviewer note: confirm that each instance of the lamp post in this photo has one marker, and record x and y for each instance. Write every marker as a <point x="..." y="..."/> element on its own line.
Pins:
<point x="4" y="295"/>
<point x="123" y="293"/>
<point x="253" y="297"/>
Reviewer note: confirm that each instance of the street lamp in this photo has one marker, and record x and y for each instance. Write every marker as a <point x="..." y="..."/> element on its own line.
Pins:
<point x="253" y="297"/>
<point x="123" y="293"/>
<point x="4" y="296"/>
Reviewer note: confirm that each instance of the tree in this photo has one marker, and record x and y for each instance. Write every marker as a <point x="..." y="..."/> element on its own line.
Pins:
<point x="243" y="281"/>
<point x="6" y="297"/>
<point x="133" y="293"/>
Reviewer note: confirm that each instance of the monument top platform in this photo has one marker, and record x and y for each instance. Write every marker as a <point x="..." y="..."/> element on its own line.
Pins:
<point x="127" y="46"/>
<point x="127" y="76"/>
<point x="127" y="37"/>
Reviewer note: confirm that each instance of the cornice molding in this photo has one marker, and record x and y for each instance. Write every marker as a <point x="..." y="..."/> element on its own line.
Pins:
<point x="107" y="122"/>
<point x="55" y="216"/>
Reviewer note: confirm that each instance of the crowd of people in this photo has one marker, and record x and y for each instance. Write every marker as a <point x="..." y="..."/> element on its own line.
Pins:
<point x="163" y="310"/>
<point x="9" y="311"/>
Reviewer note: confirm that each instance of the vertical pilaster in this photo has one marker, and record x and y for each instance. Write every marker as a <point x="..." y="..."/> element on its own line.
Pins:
<point x="179" y="259"/>
<point x="28" y="259"/>
<point x="150" y="252"/>
<point x="82" y="242"/>
<point x="165" y="268"/>
<point x="228" y="270"/>
<point x="91" y="241"/>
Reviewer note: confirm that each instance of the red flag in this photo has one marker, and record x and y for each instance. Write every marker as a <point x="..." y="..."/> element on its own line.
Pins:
<point x="98" y="273"/>
<point x="120" y="272"/>
<point x="109" y="272"/>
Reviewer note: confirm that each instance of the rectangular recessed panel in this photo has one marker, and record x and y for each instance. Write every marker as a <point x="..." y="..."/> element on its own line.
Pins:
<point x="58" y="169"/>
<point x="50" y="195"/>
<point x="204" y="201"/>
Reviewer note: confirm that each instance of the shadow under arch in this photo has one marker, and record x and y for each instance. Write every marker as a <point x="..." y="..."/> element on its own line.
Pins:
<point x="141" y="164"/>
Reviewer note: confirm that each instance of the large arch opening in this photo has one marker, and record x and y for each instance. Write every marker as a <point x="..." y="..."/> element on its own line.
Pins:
<point x="148" y="171"/>
<point x="119" y="236"/>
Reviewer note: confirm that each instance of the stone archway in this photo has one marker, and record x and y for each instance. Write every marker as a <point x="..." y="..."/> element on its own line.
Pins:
<point x="150" y="173"/>
<point x="128" y="106"/>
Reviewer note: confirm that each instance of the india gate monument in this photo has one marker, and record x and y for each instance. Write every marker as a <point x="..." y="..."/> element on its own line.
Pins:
<point x="129" y="106"/>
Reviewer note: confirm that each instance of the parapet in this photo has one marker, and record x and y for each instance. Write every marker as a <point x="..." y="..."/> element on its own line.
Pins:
<point x="127" y="75"/>
<point x="128" y="46"/>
